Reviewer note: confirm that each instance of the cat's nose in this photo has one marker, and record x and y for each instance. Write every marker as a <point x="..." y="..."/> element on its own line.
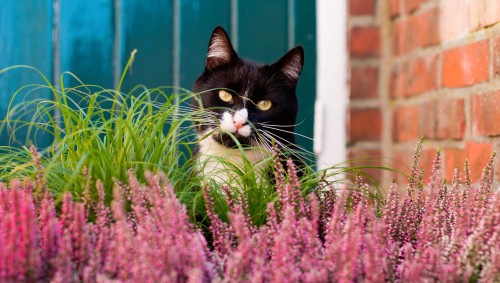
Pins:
<point x="239" y="124"/>
<point x="240" y="118"/>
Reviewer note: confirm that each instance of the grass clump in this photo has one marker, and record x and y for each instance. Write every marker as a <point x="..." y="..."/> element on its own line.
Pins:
<point x="101" y="134"/>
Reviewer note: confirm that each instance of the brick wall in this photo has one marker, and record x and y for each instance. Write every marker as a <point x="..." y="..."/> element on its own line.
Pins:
<point x="426" y="68"/>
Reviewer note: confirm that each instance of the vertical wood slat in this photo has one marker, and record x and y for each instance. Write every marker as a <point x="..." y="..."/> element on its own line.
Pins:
<point x="86" y="32"/>
<point x="148" y="27"/>
<point x="86" y="46"/>
<point x="263" y="29"/>
<point x="305" y="35"/>
<point x="198" y="18"/>
<point x="25" y="38"/>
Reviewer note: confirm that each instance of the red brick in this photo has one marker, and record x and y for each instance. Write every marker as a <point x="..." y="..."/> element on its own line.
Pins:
<point x="428" y="120"/>
<point x="460" y="17"/>
<point x="394" y="8"/>
<point x="443" y="119"/>
<point x="367" y="158"/>
<point x="450" y="117"/>
<point x="362" y="7"/>
<point x="423" y="75"/>
<point x="415" y="77"/>
<point x="364" y="42"/>
<point x="478" y="155"/>
<point x="399" y="79"/>
<point x="401" y="37"/>
<point x="365" y="124"/>
<point x="496" y="55"/>
<point x="411" y="5"/>
<point x="455" y="20"/>
<point x="406" y="123"/>
<point x="484" y="13"/>
<point x="486" y="114"/>
<point x="364" y="82"/>
<point x="466" y="65"/>
<point x="424" y="28"/>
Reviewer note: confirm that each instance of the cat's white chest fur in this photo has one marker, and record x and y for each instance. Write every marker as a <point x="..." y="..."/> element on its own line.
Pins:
<point x="222" y="164"/>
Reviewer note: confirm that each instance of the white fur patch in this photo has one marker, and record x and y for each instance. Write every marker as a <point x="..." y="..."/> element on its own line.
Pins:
<point x="245" y="131"/>
<point x="241" y="116"/>
<point x="211" y="152"/>
<point x="228" y="123"/>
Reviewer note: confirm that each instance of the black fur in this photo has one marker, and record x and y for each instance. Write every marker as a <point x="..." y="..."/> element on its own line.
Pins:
<point x="275" y="82"/>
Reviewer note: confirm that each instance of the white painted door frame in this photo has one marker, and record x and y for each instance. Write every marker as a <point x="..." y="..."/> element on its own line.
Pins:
<point x="331" y="81"/>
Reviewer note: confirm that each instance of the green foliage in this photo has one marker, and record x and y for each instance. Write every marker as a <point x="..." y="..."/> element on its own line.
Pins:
<point x="101" y="134"/>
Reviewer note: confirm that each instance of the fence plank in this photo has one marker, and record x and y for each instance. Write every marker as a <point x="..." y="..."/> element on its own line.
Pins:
<point x="148" y="27"/>
<point x="25" y="38"/>
<point x="305" y="35"/>
<point x="262" y="29"/>
<point x="86" y="36"/>
<point x="198" y="18"/>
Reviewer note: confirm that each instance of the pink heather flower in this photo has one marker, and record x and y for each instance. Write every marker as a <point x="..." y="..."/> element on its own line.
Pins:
<point x="64" y="263"/>
<point x="50" y="230"/>
<point x="442" y="233"/>
<point x="221" y="231"/>
<point x="20" y="258"/>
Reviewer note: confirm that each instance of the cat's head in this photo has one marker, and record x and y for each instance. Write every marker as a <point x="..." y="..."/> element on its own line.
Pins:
<point x="254" y="102"/>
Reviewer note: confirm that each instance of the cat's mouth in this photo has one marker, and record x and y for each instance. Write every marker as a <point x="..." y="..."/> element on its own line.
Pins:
<point x="243" y="131"/>
<point x="234" y="129"/>
<point x="236" y="123"/>
<point x="232" y="140"/>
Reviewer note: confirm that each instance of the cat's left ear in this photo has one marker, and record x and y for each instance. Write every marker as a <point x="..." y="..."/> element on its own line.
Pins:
<point x="220" y="50"/>
<point x="291" y="64"/>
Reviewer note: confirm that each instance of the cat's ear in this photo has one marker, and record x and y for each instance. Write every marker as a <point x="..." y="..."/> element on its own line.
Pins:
<point x="220" y="50"/>
<point x="291" y="64"/>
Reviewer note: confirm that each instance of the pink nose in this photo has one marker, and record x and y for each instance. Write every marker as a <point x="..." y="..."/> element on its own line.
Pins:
<point x="238" y="124"/>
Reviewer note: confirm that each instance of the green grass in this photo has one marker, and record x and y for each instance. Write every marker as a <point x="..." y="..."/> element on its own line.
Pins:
<point x="101" y="134"/>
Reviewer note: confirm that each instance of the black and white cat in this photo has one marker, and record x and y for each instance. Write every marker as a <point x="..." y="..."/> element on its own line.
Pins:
<point x="248" y="101"/>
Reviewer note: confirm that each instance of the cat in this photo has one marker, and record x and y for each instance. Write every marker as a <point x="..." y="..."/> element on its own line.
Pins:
<point x="246" y="104"/>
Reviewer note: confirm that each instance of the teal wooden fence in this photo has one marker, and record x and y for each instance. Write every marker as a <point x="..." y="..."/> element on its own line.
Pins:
<point x="93" y="39"/>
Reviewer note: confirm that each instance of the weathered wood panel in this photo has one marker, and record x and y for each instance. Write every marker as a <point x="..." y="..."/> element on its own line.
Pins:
<point x="198" y="18"/>
<point x="148" y="27"/>
<point x="25" y="38"/>
<point x="86" y="40"/>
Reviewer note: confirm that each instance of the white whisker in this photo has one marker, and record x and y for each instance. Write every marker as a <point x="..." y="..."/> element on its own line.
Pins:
<point x="297" y="152"/>
<point x="289" y="132"/>
<point x="280" y="126"/>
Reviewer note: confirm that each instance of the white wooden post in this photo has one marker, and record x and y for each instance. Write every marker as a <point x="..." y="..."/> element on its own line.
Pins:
<point x="332" y="89"/>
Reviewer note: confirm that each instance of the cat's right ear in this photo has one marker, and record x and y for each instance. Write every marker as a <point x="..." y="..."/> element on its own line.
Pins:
<point x="220" y="50"/>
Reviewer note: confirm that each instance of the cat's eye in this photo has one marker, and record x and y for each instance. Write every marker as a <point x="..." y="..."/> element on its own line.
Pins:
<point x="225" y="96"/>
<point x="264" y="105"/>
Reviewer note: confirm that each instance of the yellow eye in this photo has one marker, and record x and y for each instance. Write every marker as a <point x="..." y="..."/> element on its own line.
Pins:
<point x="225" y="96"/>
<point x="264" y="105"/>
